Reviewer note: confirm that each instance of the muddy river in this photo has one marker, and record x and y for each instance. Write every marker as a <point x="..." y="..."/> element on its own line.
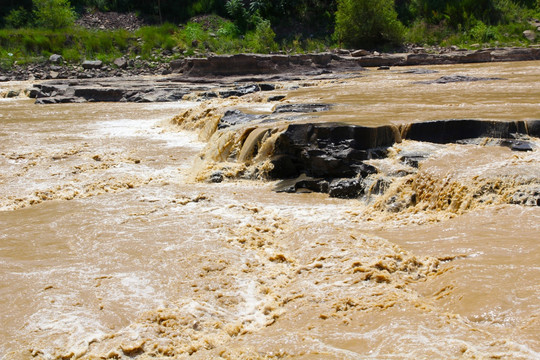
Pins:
<point x="112" y="247"/>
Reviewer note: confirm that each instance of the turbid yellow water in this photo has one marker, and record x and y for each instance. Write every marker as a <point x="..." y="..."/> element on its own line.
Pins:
<point x="110" y="248"/>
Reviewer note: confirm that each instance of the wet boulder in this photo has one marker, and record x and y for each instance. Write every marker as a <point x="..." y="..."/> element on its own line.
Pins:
<point x="517" y="145"/>
<point x="216" y="177"/>
<point x="267" y="87"/>
<point x="240" y="91"/>
<point x="276" y="98"/>
<point x="302" y="183"/>
<point x="413" y="158"/>
<point x="346" y="188"/>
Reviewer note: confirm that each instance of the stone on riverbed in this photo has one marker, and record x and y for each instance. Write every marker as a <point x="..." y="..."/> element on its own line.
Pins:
<point x="346" y="188"/>
<point x="302" y="183"/>
<point x="56" y="59"/>
<point x="92" y="64"/>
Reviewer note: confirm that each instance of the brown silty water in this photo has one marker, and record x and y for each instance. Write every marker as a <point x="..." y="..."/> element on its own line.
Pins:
<point x="113" y="245"/>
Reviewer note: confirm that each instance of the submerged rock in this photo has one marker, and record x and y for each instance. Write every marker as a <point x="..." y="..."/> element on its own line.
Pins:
<point x="301" y="108"/>
<point x="276" y="98"/>
<point x="527" y="197"/>
<point x="420" y="71"/>
<point x="240" y="91"/>
<point x="457" y="78"/>
<point x="216" y="177"/>
<point x="346" y="188"/>
<point x="413" y="158"/>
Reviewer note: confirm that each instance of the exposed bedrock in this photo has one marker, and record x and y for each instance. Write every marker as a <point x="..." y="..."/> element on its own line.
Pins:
<point x="332" y="158"/>
<point x="338" y="151"/>
<point x="449" y="131"/>
<point x="329" y="150"/>
<point x="231" y="65"/>
<point x="134" y="90"/>
<point x="240" y="64"/>
<point x="111" y="90"/>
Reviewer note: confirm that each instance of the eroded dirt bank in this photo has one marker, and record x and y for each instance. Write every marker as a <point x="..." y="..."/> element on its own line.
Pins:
<point x="126" y="234"/>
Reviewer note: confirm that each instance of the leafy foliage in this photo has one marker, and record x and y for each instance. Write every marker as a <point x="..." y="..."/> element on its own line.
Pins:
<point x="262" y="39"/>
<point x="367" y="23"/>
<point x="238" y="13"/>
<point x="17" y="18"/>
<point x="53" y="14"/>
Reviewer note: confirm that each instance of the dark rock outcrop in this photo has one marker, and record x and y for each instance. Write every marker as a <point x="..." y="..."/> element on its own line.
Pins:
<point x="330" y="158"/>
<point x="346" y="188"/>
<point x="76" y="91"/>
<point x="451" y="131"/>
<point x="329" y="150"/>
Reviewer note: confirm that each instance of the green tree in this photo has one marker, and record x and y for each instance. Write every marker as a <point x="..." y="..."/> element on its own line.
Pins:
<point x="17" y="18"/>
<point x="53" y="14"/>
<point x="367" y="23"/>
<point x="238" y="13"/>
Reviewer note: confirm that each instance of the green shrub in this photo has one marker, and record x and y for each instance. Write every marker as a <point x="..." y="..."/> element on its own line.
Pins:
<point x="71" y="55"/>
<point x="482" y="33"/>
<point x="156" y="37"/>
<point x="17" y="18"/>
<point x="367" y="23"/>
<point x="238" y="13"/>
<point x="228" y="30"/>
<point x="53" y="14"/>
<point x="262" y="39"/>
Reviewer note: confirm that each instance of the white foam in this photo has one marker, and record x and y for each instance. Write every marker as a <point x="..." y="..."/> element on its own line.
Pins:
<point x="150" y="129"/>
